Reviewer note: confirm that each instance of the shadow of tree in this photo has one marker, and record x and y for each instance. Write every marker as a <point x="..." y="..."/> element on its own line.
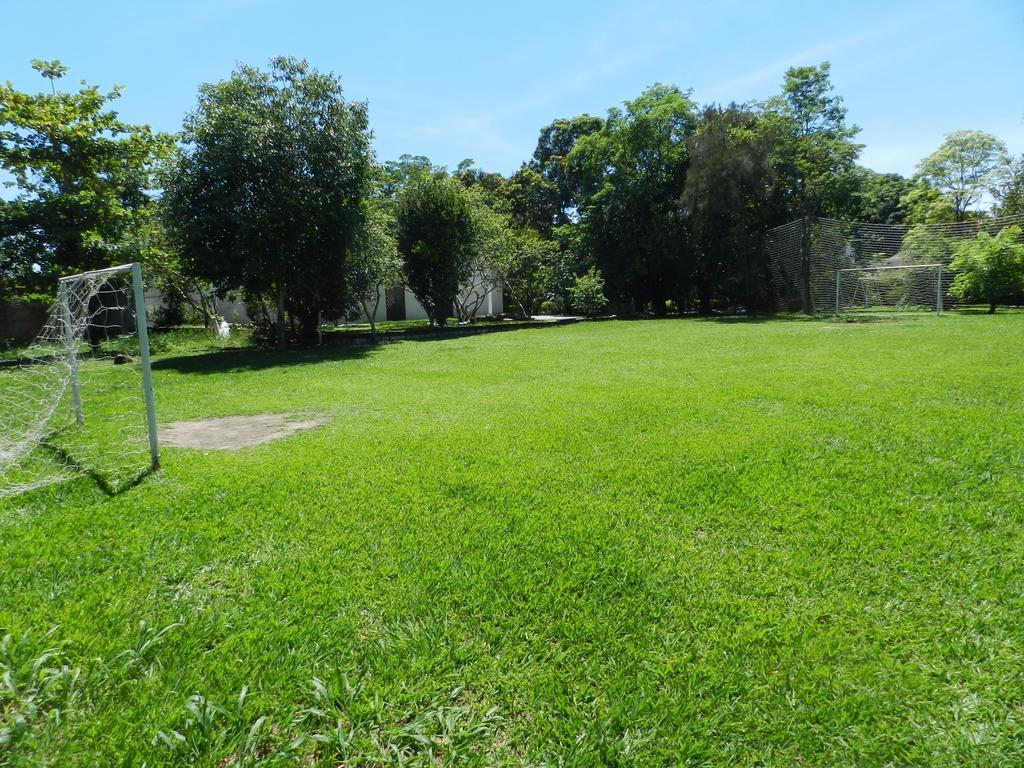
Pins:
<point x="254" y="359"/>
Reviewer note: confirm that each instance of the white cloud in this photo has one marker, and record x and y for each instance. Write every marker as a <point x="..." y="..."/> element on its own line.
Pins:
<point x="743" y="86"/>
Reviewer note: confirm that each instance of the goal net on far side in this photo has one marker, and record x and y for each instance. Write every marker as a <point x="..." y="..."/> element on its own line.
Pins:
<point x="824" y="266"/>
<point x="900" y="287"/>
<point x="79" y="398"/>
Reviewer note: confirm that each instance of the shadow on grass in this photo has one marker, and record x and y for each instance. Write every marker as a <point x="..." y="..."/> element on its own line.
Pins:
<point x="101" y="482"/>
<point x="756" y="319"/>
<point x="253" y="359"/>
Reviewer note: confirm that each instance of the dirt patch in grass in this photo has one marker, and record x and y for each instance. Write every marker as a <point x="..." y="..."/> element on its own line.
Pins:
<point x="232" y="432"/>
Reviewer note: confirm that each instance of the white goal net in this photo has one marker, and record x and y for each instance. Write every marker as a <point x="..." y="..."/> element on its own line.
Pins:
<point x="906" y="288"/>
<point x="79" y="398"/>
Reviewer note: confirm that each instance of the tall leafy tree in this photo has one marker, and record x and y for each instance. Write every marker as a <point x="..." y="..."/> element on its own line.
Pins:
<point x="436" y="239"/>
<point x="879" y="198"/>
<point x="923" y="204"/>
<point x="632" y="173"/>
<point x="267" y="196"/>
<point x="83" y="178"/>
<point x="515" y="257"/>
<point x="396" y="174"/>
<point x="374" y="264"/>
<point x="967" y="166"/>
<point x="1011" y="193"/>
<point x="531" y="200"/>
<point x="470" y="176"/>
<point x="724" y="200"/>
<point x="814" y="154"/>
<point x="557" y="197"/>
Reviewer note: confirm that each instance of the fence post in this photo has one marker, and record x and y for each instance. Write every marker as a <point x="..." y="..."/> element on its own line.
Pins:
<point x="805" y="264"/>
<point x="938" y="291"/>
<point x="839" y="274"/>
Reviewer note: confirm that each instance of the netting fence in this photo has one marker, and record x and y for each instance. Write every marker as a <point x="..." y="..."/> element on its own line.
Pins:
<point x="823" y="266"/>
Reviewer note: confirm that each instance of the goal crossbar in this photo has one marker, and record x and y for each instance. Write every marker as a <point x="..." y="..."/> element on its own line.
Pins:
<point x="896" y="266"/>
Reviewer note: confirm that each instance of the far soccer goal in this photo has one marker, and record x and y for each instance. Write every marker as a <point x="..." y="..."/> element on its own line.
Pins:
<point x="900" y="288"/>
<point x="79" y="399"/>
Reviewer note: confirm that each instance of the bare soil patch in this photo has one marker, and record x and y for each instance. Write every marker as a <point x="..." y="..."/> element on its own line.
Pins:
<point x="233" y="432"/>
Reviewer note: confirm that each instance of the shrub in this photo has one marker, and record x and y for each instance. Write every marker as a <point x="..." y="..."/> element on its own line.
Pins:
<point x="989" y="268"/>
<point x="587" y="293"/>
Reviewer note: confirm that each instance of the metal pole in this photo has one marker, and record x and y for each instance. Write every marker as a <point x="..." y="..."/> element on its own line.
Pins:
<point x="71" y="344"/>
<point x="147" y="373"/>
<point x="839" y="273"/>
<point x="938" y="292"/>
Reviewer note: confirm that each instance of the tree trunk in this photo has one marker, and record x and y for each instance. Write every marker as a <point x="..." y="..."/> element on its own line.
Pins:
<point x="369" y="316"/>
<point x="282" y="334"/>
<point x="705" y="303"/>
<point x="991" y="307"/>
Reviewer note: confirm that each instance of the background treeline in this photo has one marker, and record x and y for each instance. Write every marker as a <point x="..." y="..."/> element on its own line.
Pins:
<point x="272" y="191"/>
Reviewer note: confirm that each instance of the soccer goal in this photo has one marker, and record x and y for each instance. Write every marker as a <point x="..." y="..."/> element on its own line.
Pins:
<point x="79" y="398"/>
<point x="901" y="288"/>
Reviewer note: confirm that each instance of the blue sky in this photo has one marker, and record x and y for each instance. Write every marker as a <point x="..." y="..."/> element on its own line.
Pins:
<point x="477" y="79"/>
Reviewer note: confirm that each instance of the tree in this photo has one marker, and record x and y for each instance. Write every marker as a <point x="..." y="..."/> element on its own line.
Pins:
<point x="515" y="257"/>
<point x="150" y="244"/>
<point x="530" y="200"/>
<point x="436" y="239"/>
<point x="989" y="269"/>
<point x="488" y="183"/>
<point x="83" y="178"/>
<point x="632" y="173"/>
<point x="813" y="150"/>
<point x="525" y="269"/>
<point x="968" y="165"/>
<point x="879" y="198"/>
<point x="924" y="204"/>
<point x="395" y="174"/>
<point x="491" y="235"/>
<point x="557" y="197"/>
<point x="1011" y="193"/>
<point x="813" y="154"/>
<point x="267" y="196"/>
<point x="374" y="264"/>
<point x="724" y="200"/>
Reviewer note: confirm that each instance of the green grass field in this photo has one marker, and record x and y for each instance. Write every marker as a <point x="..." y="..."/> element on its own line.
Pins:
<point x="676" y="542"/>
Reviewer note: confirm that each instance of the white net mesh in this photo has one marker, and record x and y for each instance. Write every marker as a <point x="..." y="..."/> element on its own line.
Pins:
<point x="905" y="288"/>
<point x="809" y="260"/>
<point x="72" y="402"/>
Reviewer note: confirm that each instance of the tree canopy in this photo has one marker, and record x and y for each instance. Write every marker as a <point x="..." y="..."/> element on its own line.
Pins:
<point x="989" y="269"/>
<point x="83" y="180"/>
<point x="632" y="173"/>
<point x="268" y="192"/>
<point x="968" y="165"/>
<point x="436" y="239"/>
<point x="273" y="191"/>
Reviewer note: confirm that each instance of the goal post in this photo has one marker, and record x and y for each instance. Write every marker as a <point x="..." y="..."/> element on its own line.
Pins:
<point x="79" y="398"/>
<point x="147" y="371"/>
<point x="897" y="286"/>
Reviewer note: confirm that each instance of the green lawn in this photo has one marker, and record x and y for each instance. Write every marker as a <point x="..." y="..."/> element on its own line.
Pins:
<point x="675" y="542"/>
